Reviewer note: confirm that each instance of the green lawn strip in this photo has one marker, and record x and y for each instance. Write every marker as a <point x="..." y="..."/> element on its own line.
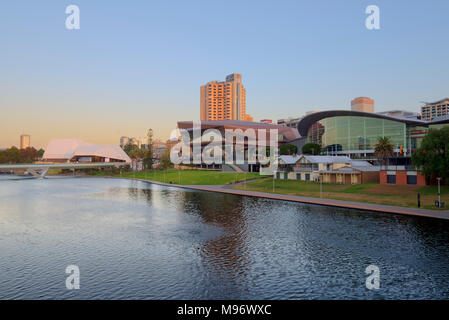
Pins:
<point x="193" y="177"/>
<point x="361" y="192"/>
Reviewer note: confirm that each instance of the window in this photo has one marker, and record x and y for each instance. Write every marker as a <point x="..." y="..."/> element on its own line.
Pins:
<point x="307" y="176"/>
<point x="278" y="175"/>
<point x="298" y="176"/>
<point x="391" y="179"/>
<point x="412" y="179"/>
<point x="285" y="176"/>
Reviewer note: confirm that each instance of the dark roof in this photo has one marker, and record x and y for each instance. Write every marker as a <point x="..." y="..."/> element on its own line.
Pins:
<point x="309" y="120"/>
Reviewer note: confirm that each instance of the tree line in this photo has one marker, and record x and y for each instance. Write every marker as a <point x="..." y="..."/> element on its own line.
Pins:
<point x="16" y="155"/>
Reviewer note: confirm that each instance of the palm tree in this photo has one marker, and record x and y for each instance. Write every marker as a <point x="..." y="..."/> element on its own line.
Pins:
<point x="383" y="148"/>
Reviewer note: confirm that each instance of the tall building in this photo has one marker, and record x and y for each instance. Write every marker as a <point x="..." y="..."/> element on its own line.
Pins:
<point x="25" y="141"/>
<point x="362" y="104"/>
<point x="224" y="100"/>
<point x="435" y="109"/>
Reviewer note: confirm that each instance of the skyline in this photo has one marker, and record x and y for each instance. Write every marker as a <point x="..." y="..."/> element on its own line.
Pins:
<point x="116" y="75"/>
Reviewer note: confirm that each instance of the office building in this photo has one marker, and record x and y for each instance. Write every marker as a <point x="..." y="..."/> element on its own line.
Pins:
<point x="224" y="100"/>
<point x="434" y="110"/>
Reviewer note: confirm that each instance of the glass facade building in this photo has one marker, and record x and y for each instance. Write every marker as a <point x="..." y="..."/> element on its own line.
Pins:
<point x="356" y="133"/>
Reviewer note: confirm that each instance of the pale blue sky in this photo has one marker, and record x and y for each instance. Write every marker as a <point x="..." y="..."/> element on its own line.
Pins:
<point x="139" y="64"/>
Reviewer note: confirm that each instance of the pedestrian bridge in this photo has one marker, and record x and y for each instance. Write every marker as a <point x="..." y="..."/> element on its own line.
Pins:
<point x="40" y="170"/>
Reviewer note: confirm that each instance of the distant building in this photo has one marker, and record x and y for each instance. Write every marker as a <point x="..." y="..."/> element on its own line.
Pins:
<point x="362" y="104"/>
<point x="127" y="140"/>
<point x="434" y="110"/>
<point x="76" y="150"/>
<point x="124" y="141"/>
<point x="267" y="121"/>
<point x="289" y="122"/>
<point x="224" y="100"/>
<point x="25" y="141"/>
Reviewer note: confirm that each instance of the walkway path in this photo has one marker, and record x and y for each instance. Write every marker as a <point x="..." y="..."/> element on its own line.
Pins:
<point x="440" y="214"/>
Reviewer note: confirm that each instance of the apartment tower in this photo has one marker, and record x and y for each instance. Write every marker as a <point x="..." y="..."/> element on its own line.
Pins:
<point x="224" y="100"/>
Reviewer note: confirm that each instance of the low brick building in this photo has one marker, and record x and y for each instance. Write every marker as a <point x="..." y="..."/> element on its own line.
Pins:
<point x="402" y="177"/>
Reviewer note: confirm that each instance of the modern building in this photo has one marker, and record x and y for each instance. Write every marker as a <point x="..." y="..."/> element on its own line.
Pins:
<point x="435" y="109"/>
<point x="25" y="141"/>
<point x="362" y="104"/>
<point x="76" y="150"/>
<point x="284" y="135"/>
<point x="328" y="169"/>
<point x="355" y="133"/>
<point x="224" y="100"/>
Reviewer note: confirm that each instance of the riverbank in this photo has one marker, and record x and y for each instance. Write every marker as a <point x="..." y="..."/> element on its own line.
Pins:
<point x="374" y="193"/>
<point x="439" y="214"/>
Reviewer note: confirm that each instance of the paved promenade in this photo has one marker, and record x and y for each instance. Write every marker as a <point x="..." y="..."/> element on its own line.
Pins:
<point x="440" y="214"/>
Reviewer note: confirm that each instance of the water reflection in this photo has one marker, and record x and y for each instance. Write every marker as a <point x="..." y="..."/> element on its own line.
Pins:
<point x="137" y="240"/>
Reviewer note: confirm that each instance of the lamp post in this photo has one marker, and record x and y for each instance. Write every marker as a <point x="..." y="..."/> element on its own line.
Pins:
<point x="439" y="195"/>
<point x="321" y="186"/>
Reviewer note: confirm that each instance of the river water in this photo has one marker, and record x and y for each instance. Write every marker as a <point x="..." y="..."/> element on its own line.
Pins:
<point x="135" y="240"/>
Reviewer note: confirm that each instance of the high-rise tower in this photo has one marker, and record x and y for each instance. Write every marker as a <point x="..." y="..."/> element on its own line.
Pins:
<point x="224" y="100"/>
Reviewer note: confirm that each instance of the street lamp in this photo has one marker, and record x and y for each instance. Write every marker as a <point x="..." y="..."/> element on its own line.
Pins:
<point x="439" y="195"/>
<point x="321" y="186"/>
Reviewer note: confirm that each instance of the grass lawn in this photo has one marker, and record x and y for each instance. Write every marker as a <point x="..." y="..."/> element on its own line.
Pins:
<point x="404" y="196"/>
<point x="194" y="177"/>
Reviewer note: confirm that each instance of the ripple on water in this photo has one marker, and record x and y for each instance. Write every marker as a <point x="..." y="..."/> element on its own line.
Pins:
<point x="134" y="240"/>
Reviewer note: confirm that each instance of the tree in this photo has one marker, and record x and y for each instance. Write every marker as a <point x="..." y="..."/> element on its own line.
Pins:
<point x="165" y="160"/>
<point x="148" y="159"/>
<point x="40" y="153"/>
<point x="432" y="157"/>
<point x="27" y="155"/>
<point x="288" y="149"/>
<point x="383" y="149"/>
<point x="130" y="148"/>
<point x="311" y="148"/>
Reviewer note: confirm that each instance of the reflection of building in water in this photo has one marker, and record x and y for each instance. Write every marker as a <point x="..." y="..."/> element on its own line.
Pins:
<point x="228" y="253"/>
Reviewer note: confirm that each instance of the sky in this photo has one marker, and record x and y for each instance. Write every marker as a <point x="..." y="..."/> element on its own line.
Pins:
<point x="135" y="65"/>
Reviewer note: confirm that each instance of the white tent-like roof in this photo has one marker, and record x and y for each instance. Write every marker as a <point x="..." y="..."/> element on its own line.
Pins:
<point x="68" y="148"/>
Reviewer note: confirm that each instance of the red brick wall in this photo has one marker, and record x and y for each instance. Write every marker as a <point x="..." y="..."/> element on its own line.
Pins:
<point x="401" y="177"/>
<point x="421" y="179"/>
<point x="383" y="177"/>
